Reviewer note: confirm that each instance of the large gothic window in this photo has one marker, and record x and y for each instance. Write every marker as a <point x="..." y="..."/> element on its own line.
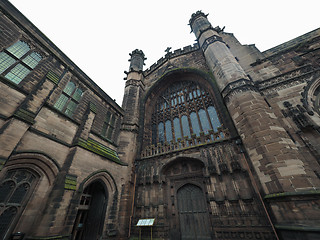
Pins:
<point x="182" y="110"/>
<point x="14" y="191"/>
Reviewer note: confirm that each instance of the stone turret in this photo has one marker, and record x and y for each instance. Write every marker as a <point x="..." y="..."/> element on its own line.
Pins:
<point x="136" y="61"/>
<point x="128" y="143"/>
<point x="278" y="164"/>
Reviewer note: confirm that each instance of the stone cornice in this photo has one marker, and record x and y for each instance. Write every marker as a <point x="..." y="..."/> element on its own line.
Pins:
<point x="236" y="87"/>
<point x="210" y="40"/>
<point x="286" y="80"/>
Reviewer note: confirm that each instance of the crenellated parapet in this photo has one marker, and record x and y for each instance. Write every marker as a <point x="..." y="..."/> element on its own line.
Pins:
<point x="170" y="55"/>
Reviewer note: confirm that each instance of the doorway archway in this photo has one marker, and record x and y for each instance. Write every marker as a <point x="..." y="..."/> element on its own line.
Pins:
<point x="91" y="212"/>
<point x="193" y="216"/>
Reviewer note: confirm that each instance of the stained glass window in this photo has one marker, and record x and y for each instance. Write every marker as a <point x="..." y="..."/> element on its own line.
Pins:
<point x="188" y="107"/>
<point x="195" y="123"/>
<point x="177" y="129"/>
<point x="204" y="121"/>
<point x="185" y="126"/>
<point x="168" y="131"/>
<point x="17" y="61"/>
<point x="214" y="118"/>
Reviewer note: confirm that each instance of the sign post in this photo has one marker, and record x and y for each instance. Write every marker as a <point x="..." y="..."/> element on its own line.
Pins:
<point x="146" y="222"/>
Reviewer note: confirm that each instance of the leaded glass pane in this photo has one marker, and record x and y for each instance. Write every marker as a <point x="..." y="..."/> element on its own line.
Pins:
<point x="17" y="73"/>
<point x="5" y="61"/>
<point x="177" y="129"/>
<point x="5" y="220"/>
<point x="104" y="129"/>
<point x="113" y="120"/>
<point x="19" y="193"/>
<point x="77" y="94"/>
<point x="110" y="131"/>
<point x="161" y="132"/>
<point x="5" y="190"/>
<point x="69" y="88"/>
<point x="204" y="121"/>
<point x="185" y="126"/>
<point x="168" y="131"/>
<point x="195" y="123"/>
<point x="19" y="49"/>
<point x="214" y="118"/>
<point x="70" y="108"/>
<point x="61" y="102"/>
<point x="32" y="60"/>
<point x="111" y="127"/>
<point x="108" y="117"/>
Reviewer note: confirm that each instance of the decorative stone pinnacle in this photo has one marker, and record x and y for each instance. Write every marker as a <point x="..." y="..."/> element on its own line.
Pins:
<point x="137" y="52"/>
<point x="195" y="15"/>
<point x="136" y="60"/>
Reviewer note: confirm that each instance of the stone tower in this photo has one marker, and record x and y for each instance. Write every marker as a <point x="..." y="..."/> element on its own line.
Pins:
<point x="278" y="164"/>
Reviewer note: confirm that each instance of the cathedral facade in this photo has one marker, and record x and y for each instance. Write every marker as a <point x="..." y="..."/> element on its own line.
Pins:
<point x="214" y="141"/>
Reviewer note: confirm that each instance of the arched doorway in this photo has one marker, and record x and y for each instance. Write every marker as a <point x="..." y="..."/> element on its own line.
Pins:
<point x="187" y="208"/>
<point x="193" y="216"/>
<point x="91" y="213"/>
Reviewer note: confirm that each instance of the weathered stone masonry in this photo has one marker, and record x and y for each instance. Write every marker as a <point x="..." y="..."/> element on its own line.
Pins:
<point x="215" y="141"/>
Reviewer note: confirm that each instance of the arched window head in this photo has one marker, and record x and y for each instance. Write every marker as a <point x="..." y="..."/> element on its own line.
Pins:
<point x="182" y="110"/>
<point x="15" y="189"/>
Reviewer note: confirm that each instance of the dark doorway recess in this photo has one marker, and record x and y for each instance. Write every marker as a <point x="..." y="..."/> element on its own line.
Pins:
<point x="91" y="213"/>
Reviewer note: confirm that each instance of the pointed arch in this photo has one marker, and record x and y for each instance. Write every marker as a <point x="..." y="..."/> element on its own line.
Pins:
<point x="25" y="181"/>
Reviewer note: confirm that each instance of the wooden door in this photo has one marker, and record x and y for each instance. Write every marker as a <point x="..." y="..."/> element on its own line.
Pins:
<point x="193" y="215"/>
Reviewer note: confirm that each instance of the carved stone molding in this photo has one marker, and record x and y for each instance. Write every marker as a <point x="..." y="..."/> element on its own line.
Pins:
<point x="209" y="41"/>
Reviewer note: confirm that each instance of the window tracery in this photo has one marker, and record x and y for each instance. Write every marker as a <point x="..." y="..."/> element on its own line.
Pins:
<point x="15" y="189"/>
<point x="182" y="110"/>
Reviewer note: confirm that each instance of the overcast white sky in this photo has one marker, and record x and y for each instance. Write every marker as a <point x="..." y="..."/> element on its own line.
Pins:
<point x="98" y="35"/>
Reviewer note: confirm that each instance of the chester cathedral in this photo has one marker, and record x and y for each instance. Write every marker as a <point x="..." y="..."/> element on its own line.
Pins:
<point x="213" y="141"/>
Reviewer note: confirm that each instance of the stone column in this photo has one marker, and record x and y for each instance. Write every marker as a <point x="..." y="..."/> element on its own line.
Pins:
<point x="128" y="143"/>
<point x="278" y="164"/>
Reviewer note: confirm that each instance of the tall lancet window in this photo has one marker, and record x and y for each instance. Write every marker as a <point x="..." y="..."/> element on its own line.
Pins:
<point x="183" y="110"/>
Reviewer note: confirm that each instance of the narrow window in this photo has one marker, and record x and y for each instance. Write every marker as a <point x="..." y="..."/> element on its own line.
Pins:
<point x="106" y="124"/>
<point x="195" y="123"/>
<point x="177" y="129"/>
<point x="204" y="121"/>
<point x="168" y="131"/>
<point x="214" y="118"/>
<point x="161" y="132"/>
<point x="111" y="127"/>
<point x="185" y="126"/>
